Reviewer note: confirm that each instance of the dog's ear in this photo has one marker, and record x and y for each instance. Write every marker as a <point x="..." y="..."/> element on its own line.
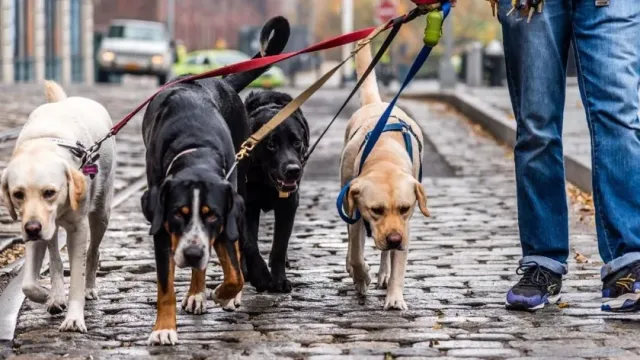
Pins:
<point x="421" y="198"/>
<point x="156" y="205"/>
<point x="77" y="187"/>
<point x="6" y="196"/>
<point x="148" y="202"/>
<point x="235" y="215"/>
<point x="352" y="197"/>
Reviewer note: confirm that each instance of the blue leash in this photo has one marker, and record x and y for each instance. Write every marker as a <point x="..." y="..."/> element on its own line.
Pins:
<point x="381" y="126"/>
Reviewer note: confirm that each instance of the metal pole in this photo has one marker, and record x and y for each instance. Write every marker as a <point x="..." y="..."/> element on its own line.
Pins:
<point x="347" y="26"/>
<point x="446" y="71"/>
<point x="171" y="15"/>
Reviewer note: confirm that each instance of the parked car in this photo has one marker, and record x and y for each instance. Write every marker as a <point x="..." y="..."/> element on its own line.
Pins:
<point x="136" y="47"/>
<point x="204" y="60"/>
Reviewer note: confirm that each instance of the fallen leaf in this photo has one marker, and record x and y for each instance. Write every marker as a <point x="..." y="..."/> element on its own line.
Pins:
<point x="581" y="259"/>
<point x="437" y="326"/>
<point x="563" y="305"/>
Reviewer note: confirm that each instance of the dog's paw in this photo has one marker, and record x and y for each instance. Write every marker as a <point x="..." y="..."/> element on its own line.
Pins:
<point x="91" y="294"/>
<point x="395" y="302"/>
<point x="56" y="305"/>
<point x="74" y="323"/>
<point x="383" y="279"/>
<point x="280" y="284"/>
<point x="195" y="304"/>
<point x="259" y="276"/>
<point x="163" y="337"/>
<point x="349" y="269"/>
<point x="227" y="304"/>
<point x="361" y="279"/>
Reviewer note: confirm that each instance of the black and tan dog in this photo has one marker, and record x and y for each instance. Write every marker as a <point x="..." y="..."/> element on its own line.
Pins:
<point x="192" y="131"/>
<point x="273" y="180"/>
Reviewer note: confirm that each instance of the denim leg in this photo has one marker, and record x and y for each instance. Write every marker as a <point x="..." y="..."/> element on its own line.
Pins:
<point x="607" y="44"/>
<point x="536" y="59"/>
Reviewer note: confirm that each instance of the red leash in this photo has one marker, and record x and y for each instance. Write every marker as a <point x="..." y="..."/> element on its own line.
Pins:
<point x="251" y="65"/>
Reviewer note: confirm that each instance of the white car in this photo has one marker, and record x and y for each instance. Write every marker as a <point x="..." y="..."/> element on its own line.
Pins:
<point x="136" y="47"/>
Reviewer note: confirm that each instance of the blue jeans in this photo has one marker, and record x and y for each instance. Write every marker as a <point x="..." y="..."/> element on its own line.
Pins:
<point x="606" y="43"/>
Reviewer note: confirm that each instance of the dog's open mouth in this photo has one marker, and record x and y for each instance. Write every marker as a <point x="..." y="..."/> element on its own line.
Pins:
<point x="287" y="185"/>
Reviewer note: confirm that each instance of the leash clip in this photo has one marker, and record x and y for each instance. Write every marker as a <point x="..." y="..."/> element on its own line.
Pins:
<point x="245" y="149"/>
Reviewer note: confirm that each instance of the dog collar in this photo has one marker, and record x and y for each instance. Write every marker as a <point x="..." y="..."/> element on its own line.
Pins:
<point x="89" y="166"/>
<point x="188" y="151"/>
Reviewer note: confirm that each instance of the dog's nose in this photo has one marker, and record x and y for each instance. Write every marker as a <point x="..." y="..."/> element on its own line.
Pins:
<point x="193" y="254"/>
<point x="394" y="240"/>
<point x="33" y="228"/>
<point x="292" y="172"/>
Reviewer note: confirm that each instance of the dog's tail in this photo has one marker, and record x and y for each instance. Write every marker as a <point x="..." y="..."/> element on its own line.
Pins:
<point x="369" y="93"/>
<point x="279" y="26"/>
<point x="53" y="92"/>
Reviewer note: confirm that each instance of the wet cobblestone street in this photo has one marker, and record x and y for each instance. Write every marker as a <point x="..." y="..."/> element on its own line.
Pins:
<point x="462" y="260"/>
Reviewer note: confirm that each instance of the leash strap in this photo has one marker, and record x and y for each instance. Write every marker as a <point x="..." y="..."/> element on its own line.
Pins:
<point x="374" y="135"/>
<point x="244" y="66"/>
<point x="397" y="24"/>
<point x="296" y="103"/>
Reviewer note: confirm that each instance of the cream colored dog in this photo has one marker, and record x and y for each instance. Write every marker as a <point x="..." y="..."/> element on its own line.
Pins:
<point x="43" y="185"/>
<point x="385" y="192"/>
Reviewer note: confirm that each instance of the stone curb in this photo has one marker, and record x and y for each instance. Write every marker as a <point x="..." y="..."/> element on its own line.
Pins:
<point x="500" y="126"/>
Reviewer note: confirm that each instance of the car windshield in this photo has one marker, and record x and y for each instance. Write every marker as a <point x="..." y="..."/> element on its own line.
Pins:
<point x="136" y="32"/>
<point x="229" y="58"/>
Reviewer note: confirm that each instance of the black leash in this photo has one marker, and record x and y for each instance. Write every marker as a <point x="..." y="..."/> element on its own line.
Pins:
<point x="397" y="24"/>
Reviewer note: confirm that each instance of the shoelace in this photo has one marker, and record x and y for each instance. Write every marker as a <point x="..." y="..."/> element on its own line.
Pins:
<point x="626" y="283"/>
<point x="534" y="275"/>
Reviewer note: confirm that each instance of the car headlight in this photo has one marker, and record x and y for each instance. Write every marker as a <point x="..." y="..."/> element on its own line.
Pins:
<point x="157" y="60"/>
<point x="108" y="56"/>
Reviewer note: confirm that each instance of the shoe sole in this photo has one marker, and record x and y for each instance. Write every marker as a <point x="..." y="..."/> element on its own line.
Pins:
<point x="554" y="299"/>
<point x="624" y="303"/>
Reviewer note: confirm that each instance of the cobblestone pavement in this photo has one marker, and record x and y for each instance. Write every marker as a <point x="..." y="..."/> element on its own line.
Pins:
<point x="461" y="262"/>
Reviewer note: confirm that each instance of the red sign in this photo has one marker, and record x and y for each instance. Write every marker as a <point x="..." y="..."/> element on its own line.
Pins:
<point x="386" y="10"/>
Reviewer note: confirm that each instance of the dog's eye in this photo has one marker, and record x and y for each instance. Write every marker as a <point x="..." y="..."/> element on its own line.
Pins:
<point x="48" y="194"/>
<point x="298" y="144"/>
<point x="271" y="146"/>
<point x="404" y="209"/>
<point x="18" y="195"/>
<point x="378" y="210"/>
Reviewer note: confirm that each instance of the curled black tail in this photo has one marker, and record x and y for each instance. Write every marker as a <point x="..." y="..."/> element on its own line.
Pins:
<point x="269" y="45"/>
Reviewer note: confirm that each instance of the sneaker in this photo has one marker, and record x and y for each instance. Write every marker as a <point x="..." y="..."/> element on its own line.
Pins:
<point x="621" y="290"/>
<point x="537" y="287"/>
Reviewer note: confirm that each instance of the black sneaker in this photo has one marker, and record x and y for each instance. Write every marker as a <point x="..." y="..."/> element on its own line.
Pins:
<point x="537" y="287"/>
<point x="621" y="290"/>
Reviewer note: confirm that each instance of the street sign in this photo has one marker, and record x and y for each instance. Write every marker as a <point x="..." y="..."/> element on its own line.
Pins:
<point x="386" y="10"/>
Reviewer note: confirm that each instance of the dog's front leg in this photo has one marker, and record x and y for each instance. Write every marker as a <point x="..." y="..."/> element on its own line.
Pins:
<point x="195" y="301"/>
<point x="360" y="268"/>
<point x="385" y="269"/>
<point x="395" y="298"/>
<point x="164" y="331"/>
<point x="229" y="293"/>
<point x="257" y="271"/>
<point x="56" y="302"/>
<point x="77" y="245"/>
<point x="285" y="213"/>
<point x="34" y="254"/>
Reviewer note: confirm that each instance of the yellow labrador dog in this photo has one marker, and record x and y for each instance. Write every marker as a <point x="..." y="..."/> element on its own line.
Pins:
<point x="384" y="191"/>
<point x="42" y="184"/>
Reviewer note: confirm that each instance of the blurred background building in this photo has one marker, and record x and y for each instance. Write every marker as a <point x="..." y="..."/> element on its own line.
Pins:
<point x="50" y="39"/>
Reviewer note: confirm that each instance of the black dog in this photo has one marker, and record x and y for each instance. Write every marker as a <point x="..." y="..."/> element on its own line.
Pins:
<point x="273" y="180"/>
<point x="192" y="131"/>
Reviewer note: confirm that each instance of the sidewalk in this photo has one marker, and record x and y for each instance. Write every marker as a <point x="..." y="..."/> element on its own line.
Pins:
<point x="491" y="108"/>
